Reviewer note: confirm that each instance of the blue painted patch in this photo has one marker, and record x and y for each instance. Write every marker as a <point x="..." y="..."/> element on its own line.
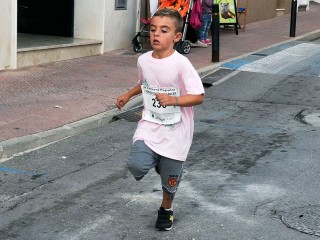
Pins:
<point x="236" y="64"/>
<point x="10" y="170"/>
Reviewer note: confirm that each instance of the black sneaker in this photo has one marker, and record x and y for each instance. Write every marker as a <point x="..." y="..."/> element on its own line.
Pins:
<point x="165" y="219"/>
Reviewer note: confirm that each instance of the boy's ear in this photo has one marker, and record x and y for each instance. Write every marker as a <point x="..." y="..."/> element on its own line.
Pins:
<point x="178" y="37"/>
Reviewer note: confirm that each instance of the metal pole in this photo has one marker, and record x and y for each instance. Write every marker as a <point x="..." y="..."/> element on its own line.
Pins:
<point x="294" y="8"/>
<point x="215" y="30"/>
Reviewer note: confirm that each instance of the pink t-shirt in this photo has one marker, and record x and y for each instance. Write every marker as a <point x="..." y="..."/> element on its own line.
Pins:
<point x="171" y="141"/>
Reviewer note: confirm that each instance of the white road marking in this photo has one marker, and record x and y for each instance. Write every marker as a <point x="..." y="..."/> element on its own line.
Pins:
<point x="283" y="59"/>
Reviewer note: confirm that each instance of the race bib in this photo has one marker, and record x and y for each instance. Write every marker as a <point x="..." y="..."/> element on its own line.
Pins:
<point x="154" y="111"/>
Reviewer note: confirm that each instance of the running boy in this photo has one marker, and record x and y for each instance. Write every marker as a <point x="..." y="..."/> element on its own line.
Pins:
<point x="170" y="87"/>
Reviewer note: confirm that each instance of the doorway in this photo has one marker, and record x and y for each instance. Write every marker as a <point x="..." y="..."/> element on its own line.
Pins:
<point x="46" y="17"/>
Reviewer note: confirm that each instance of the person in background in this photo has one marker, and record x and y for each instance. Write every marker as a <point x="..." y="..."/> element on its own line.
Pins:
<point x="192" y="36"/>
<point x="206" y="22"/>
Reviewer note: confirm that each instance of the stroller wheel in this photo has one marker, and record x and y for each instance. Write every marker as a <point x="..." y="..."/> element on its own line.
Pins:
<point x="137" y="47"/>
<point x="184" y="47"/>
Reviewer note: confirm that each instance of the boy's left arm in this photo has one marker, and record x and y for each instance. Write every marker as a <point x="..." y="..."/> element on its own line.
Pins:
<point x="182" y="101"/>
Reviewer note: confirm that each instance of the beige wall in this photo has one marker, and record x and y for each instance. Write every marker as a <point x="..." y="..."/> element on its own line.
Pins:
<point x="8" y="34"/>
<point x="287" y="6"/>
<point x="283" y="7"/>
<point x="259" y="9"/>
<point x="283" y="4"/>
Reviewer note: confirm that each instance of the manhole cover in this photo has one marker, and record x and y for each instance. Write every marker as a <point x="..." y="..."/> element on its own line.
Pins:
<point x="313" y="119"/>
<point x="304" y="219"/>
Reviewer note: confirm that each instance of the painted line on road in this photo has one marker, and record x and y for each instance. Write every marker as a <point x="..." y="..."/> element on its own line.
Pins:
<point x="225" y="78"/>
<point x="283" y="59"/>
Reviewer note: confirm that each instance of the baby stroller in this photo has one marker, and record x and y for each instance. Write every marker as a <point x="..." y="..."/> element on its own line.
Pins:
<point x="184" y="8"/>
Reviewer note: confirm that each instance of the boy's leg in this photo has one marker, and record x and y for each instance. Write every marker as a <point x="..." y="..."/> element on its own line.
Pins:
<point x="171" y="173"/>
<point x="166" y="200"/>
<point x="141" y="159"/>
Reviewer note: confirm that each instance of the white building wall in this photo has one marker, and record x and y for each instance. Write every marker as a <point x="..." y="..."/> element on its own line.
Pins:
<point x="89" y="19"/>
<point x="120" y="25"/>
<point x="8" y="34"/>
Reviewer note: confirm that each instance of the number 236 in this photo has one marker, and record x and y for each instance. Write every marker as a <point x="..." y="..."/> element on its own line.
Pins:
<point x="157" y="104"/>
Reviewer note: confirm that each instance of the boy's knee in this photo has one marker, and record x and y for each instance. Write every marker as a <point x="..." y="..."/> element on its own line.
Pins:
<point x="135" y="170"/>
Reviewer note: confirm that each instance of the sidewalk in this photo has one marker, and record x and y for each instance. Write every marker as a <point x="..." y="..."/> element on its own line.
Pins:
<point x="46" y="103"/>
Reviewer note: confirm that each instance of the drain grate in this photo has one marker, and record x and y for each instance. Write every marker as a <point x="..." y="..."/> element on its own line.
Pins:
<point x="133" y="115"/>
<point x="304" y="219"/>
<point x="134" y="53"/>
<point x="260" y="54"/>
<point x="128" y="53"/>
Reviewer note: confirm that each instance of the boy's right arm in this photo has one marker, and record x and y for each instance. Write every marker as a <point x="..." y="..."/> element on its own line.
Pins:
<point x="124" y="98"/>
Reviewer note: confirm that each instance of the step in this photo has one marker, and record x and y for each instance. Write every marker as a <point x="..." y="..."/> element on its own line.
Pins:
<point x="302" y="8"/>
<point x="280" y="11"/>
<point x="39" y="49"/>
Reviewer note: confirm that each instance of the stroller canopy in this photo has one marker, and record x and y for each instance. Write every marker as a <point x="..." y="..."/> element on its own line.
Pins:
<point x="182" y="6"/>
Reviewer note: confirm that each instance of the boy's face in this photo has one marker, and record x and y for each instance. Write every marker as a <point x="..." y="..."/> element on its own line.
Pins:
<point x="163" y="34"/>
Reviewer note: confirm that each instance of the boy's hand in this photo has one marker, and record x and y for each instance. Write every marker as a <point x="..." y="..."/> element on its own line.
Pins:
<point x="122" y="100"/>
<point x="165" y="99"/>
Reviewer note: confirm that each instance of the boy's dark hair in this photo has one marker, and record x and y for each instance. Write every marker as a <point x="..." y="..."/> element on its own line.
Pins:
<point x="173" y="14"/>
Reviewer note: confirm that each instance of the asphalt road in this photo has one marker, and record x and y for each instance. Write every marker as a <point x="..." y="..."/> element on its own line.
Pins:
<point x="253" y="160"/>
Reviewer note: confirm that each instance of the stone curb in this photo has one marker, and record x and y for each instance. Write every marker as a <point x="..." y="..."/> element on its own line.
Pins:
<point x="18" y="146"/>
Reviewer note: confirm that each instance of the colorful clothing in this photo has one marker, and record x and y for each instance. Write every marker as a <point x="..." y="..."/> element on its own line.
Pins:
<point x="207" y="6"/>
